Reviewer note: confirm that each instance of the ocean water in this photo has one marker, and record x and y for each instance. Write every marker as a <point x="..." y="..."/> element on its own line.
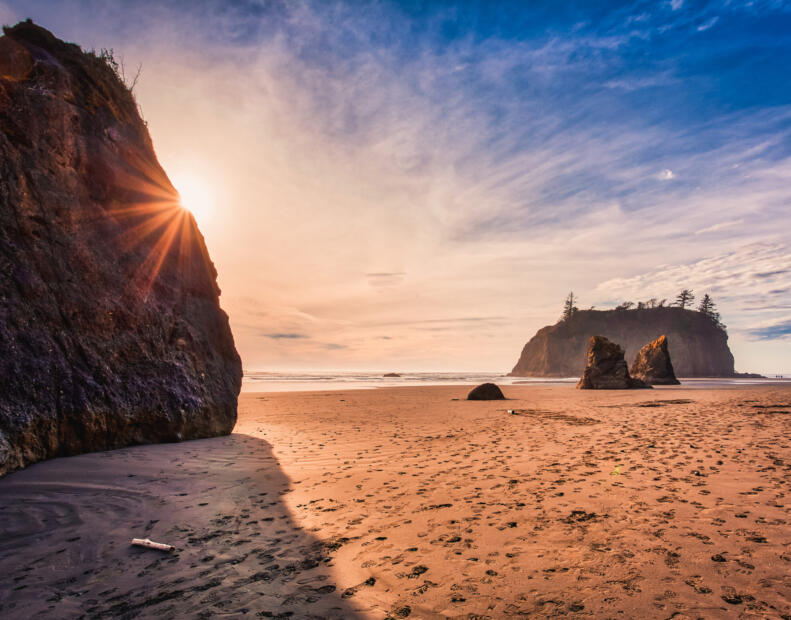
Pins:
<point x="255" y="381"/>
<point x="293" y="382"/>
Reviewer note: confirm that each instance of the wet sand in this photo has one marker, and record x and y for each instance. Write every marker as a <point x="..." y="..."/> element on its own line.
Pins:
<point x="404" y="502"/>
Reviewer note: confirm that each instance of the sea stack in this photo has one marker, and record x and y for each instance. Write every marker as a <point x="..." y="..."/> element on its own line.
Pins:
<point x="700" y="344"/>
<point x="606" y="368"/>
<point x="110" y="323"/>
<point x="652" y="364"/>
<point x="486" y="391"/>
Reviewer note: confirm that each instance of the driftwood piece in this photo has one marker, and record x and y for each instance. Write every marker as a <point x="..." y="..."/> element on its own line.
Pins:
<point x="150" y="544"/>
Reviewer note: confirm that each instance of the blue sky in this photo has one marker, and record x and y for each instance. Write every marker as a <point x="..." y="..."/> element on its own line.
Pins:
<point x="430" y="166"/>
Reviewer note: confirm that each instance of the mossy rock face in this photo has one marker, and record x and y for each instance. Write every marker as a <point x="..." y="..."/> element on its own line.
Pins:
<point x="486" y="391"/>
<point x="110" y="323"/>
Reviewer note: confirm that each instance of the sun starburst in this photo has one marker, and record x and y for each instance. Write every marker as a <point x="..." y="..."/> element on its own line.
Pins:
<point x="154" y="223"/>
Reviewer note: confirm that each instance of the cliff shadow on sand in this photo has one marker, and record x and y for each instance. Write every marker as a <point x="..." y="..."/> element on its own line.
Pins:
<point x="66" y="527"/>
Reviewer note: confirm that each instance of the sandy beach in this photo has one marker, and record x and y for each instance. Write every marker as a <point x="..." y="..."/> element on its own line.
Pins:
<point x="412" y="502"/>
<point x="295" y="299"/>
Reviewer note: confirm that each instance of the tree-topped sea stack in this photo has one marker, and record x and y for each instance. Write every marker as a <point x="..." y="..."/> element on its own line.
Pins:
<point x="606" y="368"/>
<point x="652" y="364"/>
<point x="699" y="340"/>
<point x="110" y="326"/>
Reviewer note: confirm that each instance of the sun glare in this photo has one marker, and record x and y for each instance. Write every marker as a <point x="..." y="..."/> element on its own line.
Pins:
<point x="195" y="196"/>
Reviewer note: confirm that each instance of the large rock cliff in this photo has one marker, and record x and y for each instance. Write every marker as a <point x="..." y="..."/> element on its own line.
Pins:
<point x="698" y="346"/>
<point x="111" y="331"/>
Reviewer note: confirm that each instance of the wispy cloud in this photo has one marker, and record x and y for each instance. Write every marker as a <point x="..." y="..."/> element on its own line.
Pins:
<point x="719" y="226"/>
<point x="448" y="321"/>
<point x="708" y="24"/>
<point x="376" y="171"/>
<point x="780" y="330"/>
<point x="384" y="279"/>
<point x="750" y="283"/>
<point x="280" y="336"/>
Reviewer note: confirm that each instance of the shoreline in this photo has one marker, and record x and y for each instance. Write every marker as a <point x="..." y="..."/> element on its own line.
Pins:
<point x="298" y="385"/>
<point x="363" y="503"/>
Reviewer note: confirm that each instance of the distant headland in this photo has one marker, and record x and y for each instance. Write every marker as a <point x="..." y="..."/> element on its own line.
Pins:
<point x="698" y="341"/>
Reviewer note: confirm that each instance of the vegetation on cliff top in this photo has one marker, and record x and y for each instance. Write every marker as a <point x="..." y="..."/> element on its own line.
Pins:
<point x="684" y="299"/>
<point x="98" y="79"/>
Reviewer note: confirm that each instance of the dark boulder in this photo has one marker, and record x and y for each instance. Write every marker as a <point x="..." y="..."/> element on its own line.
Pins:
<point x="652" y="364"/>
<point x="110" y="326"/>
<point x="486" y="391"/>
<point x="606" y="368"/>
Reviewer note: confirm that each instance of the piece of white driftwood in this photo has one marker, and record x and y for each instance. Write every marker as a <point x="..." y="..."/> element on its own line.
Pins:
<point x="145" y="542"/>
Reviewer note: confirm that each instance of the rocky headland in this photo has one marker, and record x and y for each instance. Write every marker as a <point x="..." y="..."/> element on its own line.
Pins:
<point x="698" y="344"/>
<point x="110" y="326"/>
